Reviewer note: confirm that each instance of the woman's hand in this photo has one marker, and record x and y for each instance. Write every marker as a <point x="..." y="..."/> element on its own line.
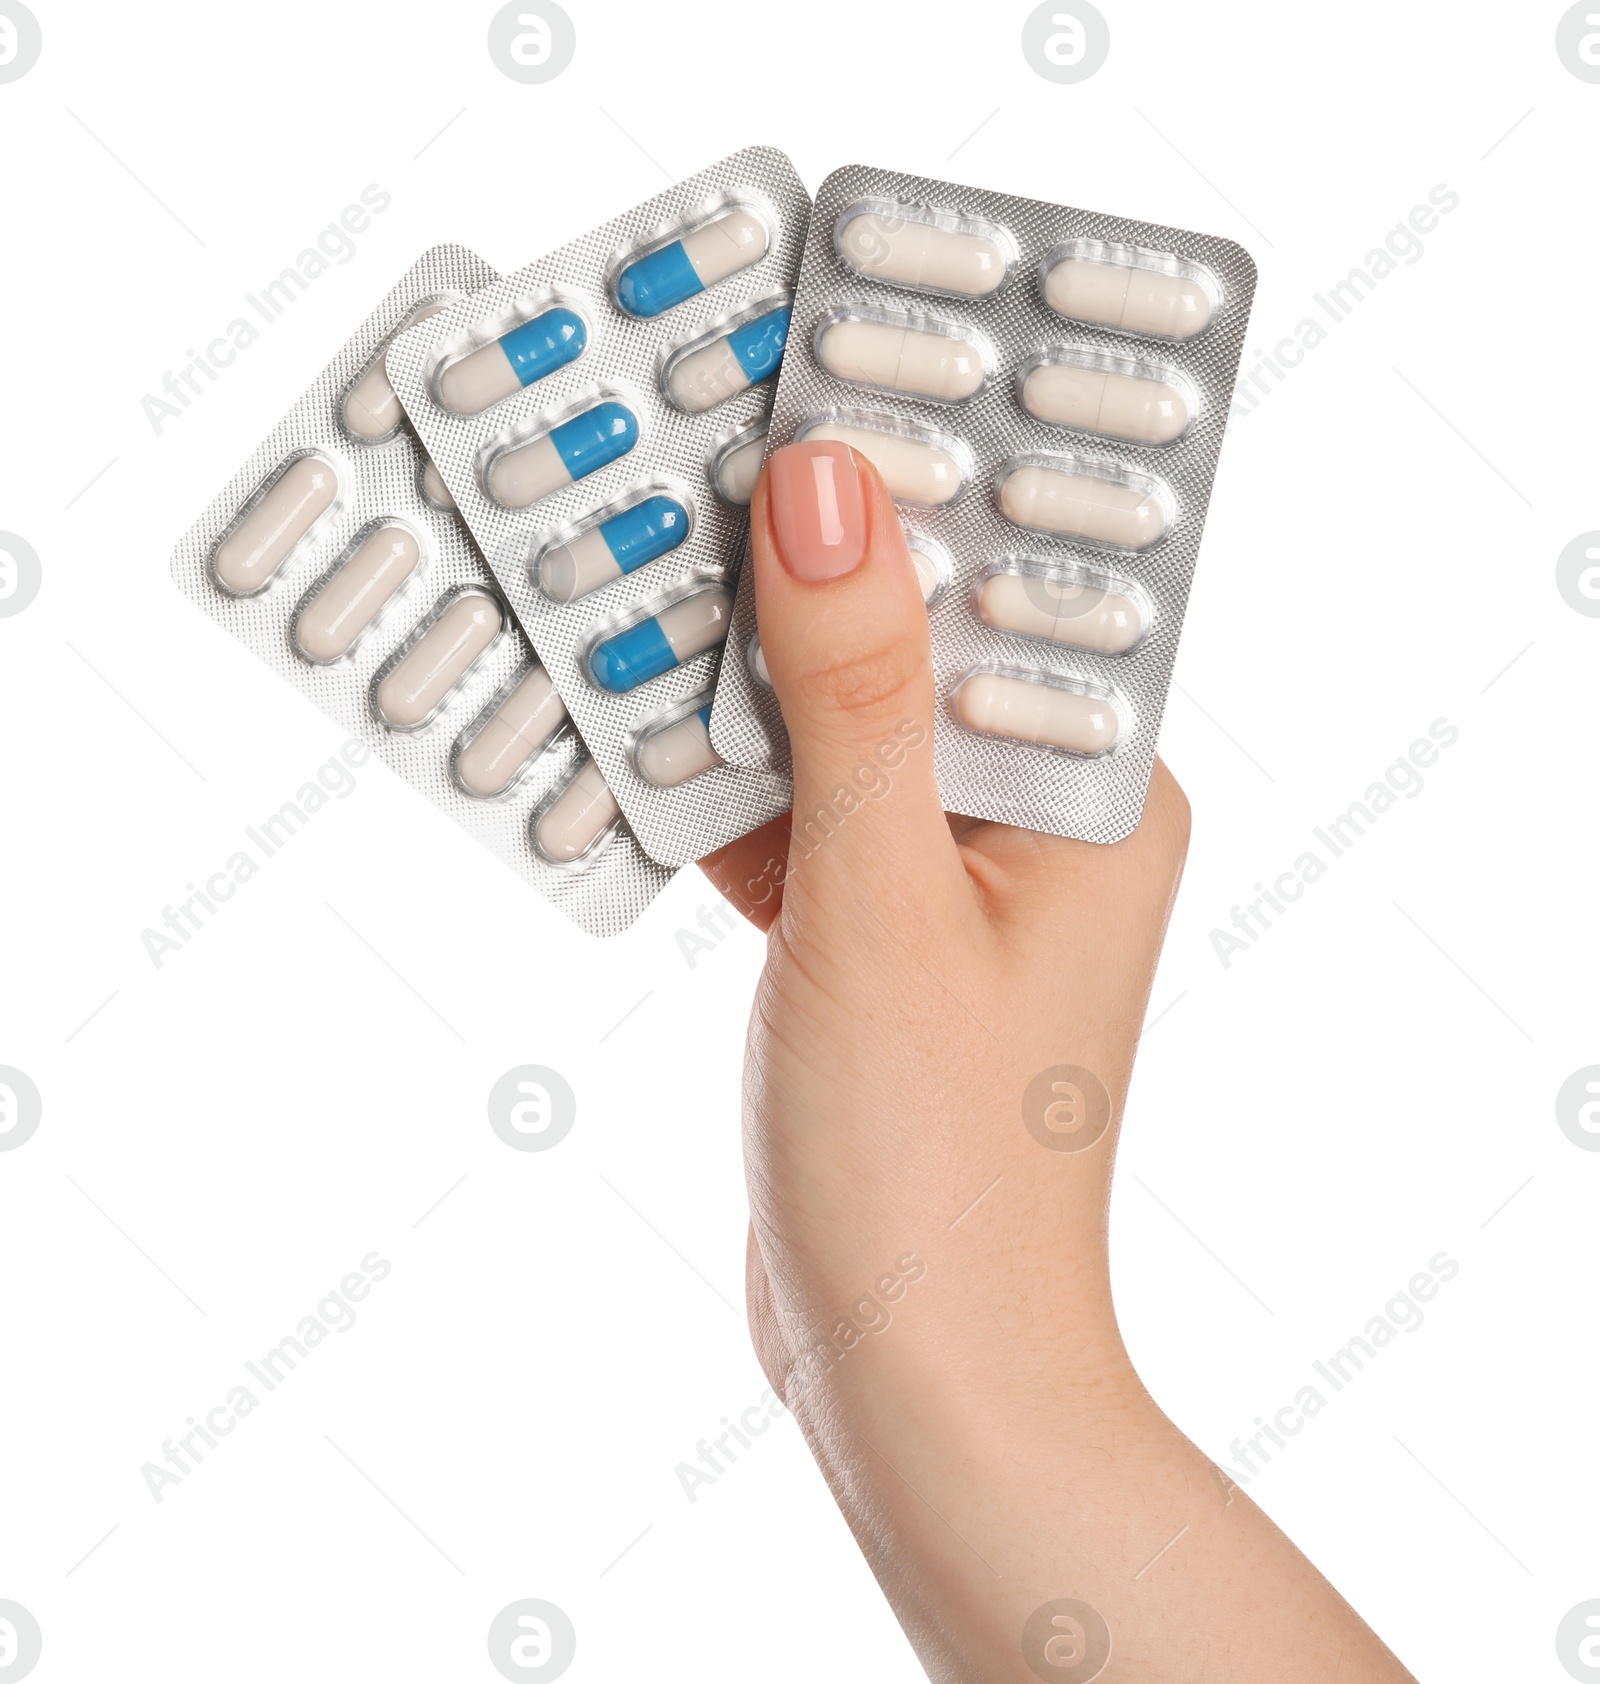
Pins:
<point x="939" y="1055"/>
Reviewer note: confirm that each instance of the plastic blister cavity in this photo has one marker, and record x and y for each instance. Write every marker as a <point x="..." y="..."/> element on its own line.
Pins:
<point x="923" y="248"/>
<point x="649" y="521"/>
<point x="497" y="358"/>
<point x="904" y="351"/>
<point x="532" y="461"/>
<point x="1131" y="289"/>
<point x="1045" y="709"/>
<point x="1115" y="397"/>
<point x="673" y="267"/>
<point x="919" y="464"/>
<point x="736" y="463"/>
<point x="364" y="591"/>
<point x="665" y="633"/>
<point x="499" y="748"/>
<point x="674" y="746"/>
<point x="1079" y="497"/>
<point x="283" y="518"/>
<point x="1061" y="602"/>
<point x="1044" y="391"/>
<point x="620" y="563"/>
<point x="727" y="358"/>
<point x="365" y="582"/>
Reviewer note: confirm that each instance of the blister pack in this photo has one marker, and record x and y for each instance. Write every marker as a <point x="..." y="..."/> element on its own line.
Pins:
<point x="335" y="555"/>
<point x="1044" y="390"/>
<point x="599" y="417"/>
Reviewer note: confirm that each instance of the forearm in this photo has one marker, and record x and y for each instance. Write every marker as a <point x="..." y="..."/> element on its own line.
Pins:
<point x="983" y="1488"/>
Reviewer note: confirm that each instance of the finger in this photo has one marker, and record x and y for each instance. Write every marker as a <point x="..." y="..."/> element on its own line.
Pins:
<point x="845" y="636"/>
<point x="749" y="873"/>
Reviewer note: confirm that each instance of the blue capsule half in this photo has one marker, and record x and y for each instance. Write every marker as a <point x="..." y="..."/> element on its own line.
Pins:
<point x="494" y="371"/>
<point x="679" y="632"/>
<point x="704" y="256"/>
<point x="547" y="343"/>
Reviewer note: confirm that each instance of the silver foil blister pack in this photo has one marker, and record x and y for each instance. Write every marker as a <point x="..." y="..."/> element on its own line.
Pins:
<point x="333" y="553"/>
<point x="1045" y="390"/>
<point x="599" y="417"/>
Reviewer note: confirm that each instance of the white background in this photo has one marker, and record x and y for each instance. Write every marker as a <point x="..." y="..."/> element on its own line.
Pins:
<point x="1363" y="1088"/>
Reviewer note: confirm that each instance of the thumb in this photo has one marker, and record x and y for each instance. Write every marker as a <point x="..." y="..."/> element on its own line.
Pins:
<point x="845" y="636"/>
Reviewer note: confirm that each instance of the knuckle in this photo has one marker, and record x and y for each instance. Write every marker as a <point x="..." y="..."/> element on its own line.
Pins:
<point x="886" y="678"/>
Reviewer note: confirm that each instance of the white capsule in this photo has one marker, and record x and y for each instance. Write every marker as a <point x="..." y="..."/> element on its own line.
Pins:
<point x="915" y="469"/>
<point x="1097" y="400"/>
<point x="424" y="678"/>
<point x="675" y="753"/>
<point x="921" y="254"/>
<point x="1126" y="513"/>
<point x="1032" y="709"/>
<point x="334" y="621"/>
<point x="736" y="467"/>
<point x="576" y="820"/>
<point x="900" y="358"/>
<point x="253" y="552"/>
<point x="510" y="739"/>
<point x="1105" y="285"/>
<point x="1082" y="612"/>
<point x="430" y="482"/>
<point x="758" y="661"/>
<point x="372" y="412"/>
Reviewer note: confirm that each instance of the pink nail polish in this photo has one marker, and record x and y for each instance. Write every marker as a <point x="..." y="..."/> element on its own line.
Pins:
<point x="819" y="510"/>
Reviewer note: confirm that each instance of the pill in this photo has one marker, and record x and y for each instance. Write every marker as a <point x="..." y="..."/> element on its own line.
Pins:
<point x="930" y="572"/>
<point x="758" y="661"/>
<point x="921" y="254"/>
<point x="424" y="678"/>
<point x="1075" y="504"/>
<point x="1128" y="296"/>
<point x="1034" y="710"/>
<point x="577" y="818"/>
<point x="430" y="482"/>
<point x="1080" y="611"/>
<point x="712" y="252"/>
<point x="526" y="472"/>
<point x="330" y="625"/>
<point x="252" y="553"/>
<point x="916" y="470"/>
<point x="371" y="411"/>
<point x="1096" y="400"/>
<point x="510" y="739"/>
<point x="616" y="546"/>
<point x="682" y="630"/>
<point x="737" y="465"/>
<point x="516" y="359"/>
<point x="903" y="359"/>
<point x="699" y="380"/>
<point x="678" y="752"/>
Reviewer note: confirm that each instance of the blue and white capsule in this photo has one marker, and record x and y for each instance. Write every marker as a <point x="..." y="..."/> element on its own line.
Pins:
<point x="707" y="254"/>
<point x="670" y="755"/>
<point x="674" y="634"/>
<point x="654" y="527"/>
<point x="701" y="377"/>
<point x="526" y="472"/>
<point x="482" y="378"/>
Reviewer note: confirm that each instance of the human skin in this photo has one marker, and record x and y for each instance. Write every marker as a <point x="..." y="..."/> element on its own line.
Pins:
<point x="928" y="1278"/>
